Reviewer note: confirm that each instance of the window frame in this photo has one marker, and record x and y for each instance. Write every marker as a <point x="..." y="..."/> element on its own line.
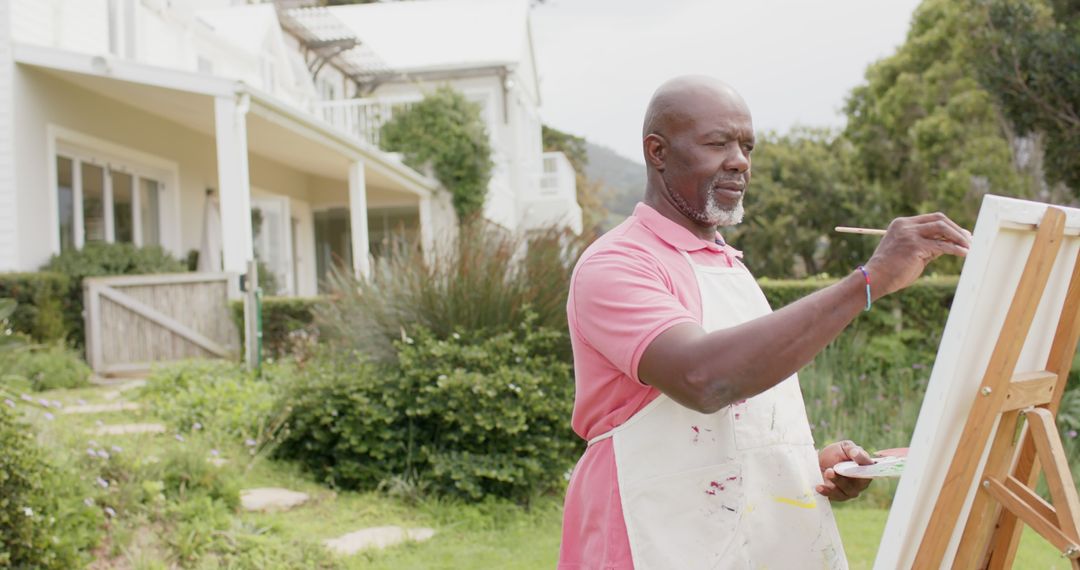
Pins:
<point x="84" y="149"/>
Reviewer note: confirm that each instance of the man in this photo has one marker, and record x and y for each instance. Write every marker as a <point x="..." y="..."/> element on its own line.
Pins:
<point x="700" y="453"/>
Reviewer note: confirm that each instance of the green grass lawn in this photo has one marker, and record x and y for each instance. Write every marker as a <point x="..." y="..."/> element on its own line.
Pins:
<point x="488" y="535"/>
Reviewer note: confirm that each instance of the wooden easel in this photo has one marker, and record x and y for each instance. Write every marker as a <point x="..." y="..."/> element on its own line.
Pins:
<point x="1004" y="497"/>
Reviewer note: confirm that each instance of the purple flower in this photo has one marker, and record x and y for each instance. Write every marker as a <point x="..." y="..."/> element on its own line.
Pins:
<point x="103" y="483"/>
<point x="49" y="416"/>
<point x="9" y="403"/>
<point x="103" y="454"/>
<point x="117" y="449"/>
<point x="179" y="437"/>
<point x="918" y="366"/>
<point x="91" y="452"/>
<point x="26" y="398"/>
<point x="834" y="388"/>
<point x="88" y="502"/>
<point x="43" y="402"/>
<point x="196" y="426"/>
<point x="109" y="511"/>
<point x="250" y="442"/>
<point x="862" y="377"/>
<point x="1071" y="434"/>
<point x="214" y="452"/>
<point x="80" y="402"/>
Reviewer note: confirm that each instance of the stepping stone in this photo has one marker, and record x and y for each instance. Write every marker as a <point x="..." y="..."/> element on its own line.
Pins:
<point x="376" y="537"/>
<point x="271" y="499"/>
<point x="101" y="408"/>
<point x="133" y="384"/>
<point x="123" y="429"/>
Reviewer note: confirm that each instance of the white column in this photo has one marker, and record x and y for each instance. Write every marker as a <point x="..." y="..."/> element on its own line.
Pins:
<point x="427" y="232"/>
<point x="358" y="219"/>
<point x="9" y="228"/>
<point x="234" y="189"/>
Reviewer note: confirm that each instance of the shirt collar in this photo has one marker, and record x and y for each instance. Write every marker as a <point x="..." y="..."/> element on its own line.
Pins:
<point x="677" y="236"/>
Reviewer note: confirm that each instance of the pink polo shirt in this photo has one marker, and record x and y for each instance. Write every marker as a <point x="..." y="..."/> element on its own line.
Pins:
<point x="628" y="287"/>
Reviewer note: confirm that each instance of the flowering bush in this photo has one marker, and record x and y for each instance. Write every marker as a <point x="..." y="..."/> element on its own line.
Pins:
<point x="43" y="521"/>
<point x="465" y="415"/>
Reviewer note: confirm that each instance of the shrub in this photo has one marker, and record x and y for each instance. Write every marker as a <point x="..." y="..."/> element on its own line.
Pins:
<point x="218" y="397"/>
<point x="47" y="367"/>
<point x="289" y="327"/>
<point x="448" y="132"/>
<point x="99" y="259"/>
<point x="43" y="521"/>
<point x="481" y="283"/>
<point x="467" y="415"/>
<point x="42" y="304"/>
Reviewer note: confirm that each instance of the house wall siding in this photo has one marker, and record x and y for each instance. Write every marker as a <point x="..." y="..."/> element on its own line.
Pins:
<point x="9" y="232"/>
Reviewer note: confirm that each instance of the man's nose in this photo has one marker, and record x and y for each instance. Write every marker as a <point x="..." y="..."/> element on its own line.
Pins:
<point x="737" y="161"/>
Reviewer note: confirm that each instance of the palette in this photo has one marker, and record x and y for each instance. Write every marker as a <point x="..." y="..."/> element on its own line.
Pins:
<point x="887" y="463"/>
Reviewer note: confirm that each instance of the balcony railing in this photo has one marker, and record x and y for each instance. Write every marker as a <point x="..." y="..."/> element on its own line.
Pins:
<point x="362" y="118"/>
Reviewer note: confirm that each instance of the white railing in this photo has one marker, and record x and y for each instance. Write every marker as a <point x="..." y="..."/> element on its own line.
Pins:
<point x="362" y="118"/>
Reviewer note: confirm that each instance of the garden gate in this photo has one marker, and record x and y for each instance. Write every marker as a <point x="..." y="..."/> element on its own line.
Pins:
<point x="134" y="321"/>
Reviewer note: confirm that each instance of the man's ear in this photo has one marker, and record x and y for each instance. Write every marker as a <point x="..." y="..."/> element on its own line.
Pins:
<point x="655" y="151"/>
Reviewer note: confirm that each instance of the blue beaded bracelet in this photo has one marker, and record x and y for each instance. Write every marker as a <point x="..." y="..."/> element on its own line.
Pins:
<point x="867" y="276"/>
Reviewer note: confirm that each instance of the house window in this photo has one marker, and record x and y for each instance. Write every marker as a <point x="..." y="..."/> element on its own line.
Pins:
<point x="106" y="201"/>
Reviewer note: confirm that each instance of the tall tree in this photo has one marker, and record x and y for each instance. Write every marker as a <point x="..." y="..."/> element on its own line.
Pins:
<point x="1032" y="67"/>
<point x="925" y="131"/>
<point x="803" y="185"/>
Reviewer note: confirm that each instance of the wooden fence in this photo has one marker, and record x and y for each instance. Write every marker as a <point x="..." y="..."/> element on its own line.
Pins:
<point x="134" y="321"/>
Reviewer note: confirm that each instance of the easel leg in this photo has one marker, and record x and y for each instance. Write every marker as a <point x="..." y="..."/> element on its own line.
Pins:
<point x="1058" y="478"/>
<point x="974" y="545"/>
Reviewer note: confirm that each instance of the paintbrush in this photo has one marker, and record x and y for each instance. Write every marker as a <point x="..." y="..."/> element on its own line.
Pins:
<point x="863" y="231"/>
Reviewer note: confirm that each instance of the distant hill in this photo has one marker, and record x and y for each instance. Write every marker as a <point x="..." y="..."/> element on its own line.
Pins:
<point x="625" y="177"/>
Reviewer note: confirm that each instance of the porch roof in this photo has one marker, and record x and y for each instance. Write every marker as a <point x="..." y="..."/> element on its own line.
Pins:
<point x="276" y="130"/>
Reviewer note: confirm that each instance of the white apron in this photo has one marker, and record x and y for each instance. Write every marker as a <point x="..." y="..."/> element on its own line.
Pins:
<point x="732" y="489"/>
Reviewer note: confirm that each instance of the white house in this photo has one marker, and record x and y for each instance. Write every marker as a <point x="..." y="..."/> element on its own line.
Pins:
<point x="123" y="120"/>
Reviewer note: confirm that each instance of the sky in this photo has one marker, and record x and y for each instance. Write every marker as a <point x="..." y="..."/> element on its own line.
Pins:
<point x="794" y="61"/>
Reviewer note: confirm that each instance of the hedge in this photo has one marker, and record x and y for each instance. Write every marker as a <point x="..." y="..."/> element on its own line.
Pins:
<point x="43" y="310"/>
<point x="917" y="313"/>
<point x="288" y="324"/>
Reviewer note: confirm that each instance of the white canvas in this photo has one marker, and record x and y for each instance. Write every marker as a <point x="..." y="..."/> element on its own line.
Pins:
<point x="987" y="282"/>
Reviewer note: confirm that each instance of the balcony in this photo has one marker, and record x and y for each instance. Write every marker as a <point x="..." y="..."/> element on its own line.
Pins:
<point x="362" y="118"/>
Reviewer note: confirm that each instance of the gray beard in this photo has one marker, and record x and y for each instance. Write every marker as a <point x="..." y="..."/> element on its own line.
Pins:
<point x="713" y="214"/>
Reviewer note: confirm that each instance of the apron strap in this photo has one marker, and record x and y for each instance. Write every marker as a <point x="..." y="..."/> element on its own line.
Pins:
<point x="601" y="437"/>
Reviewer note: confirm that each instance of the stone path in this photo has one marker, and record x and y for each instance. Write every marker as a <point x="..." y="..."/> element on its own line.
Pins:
<point x="124" y="429"/>
<point x="266" y="499"/>
<point x="101" y="408"/>
<point x="376" y="537"/>
<point x="271" y="499"/>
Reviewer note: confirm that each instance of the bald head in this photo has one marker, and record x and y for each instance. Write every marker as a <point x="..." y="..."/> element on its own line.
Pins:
<point x="686" y="99"/>
<point x="697" y="139"/>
